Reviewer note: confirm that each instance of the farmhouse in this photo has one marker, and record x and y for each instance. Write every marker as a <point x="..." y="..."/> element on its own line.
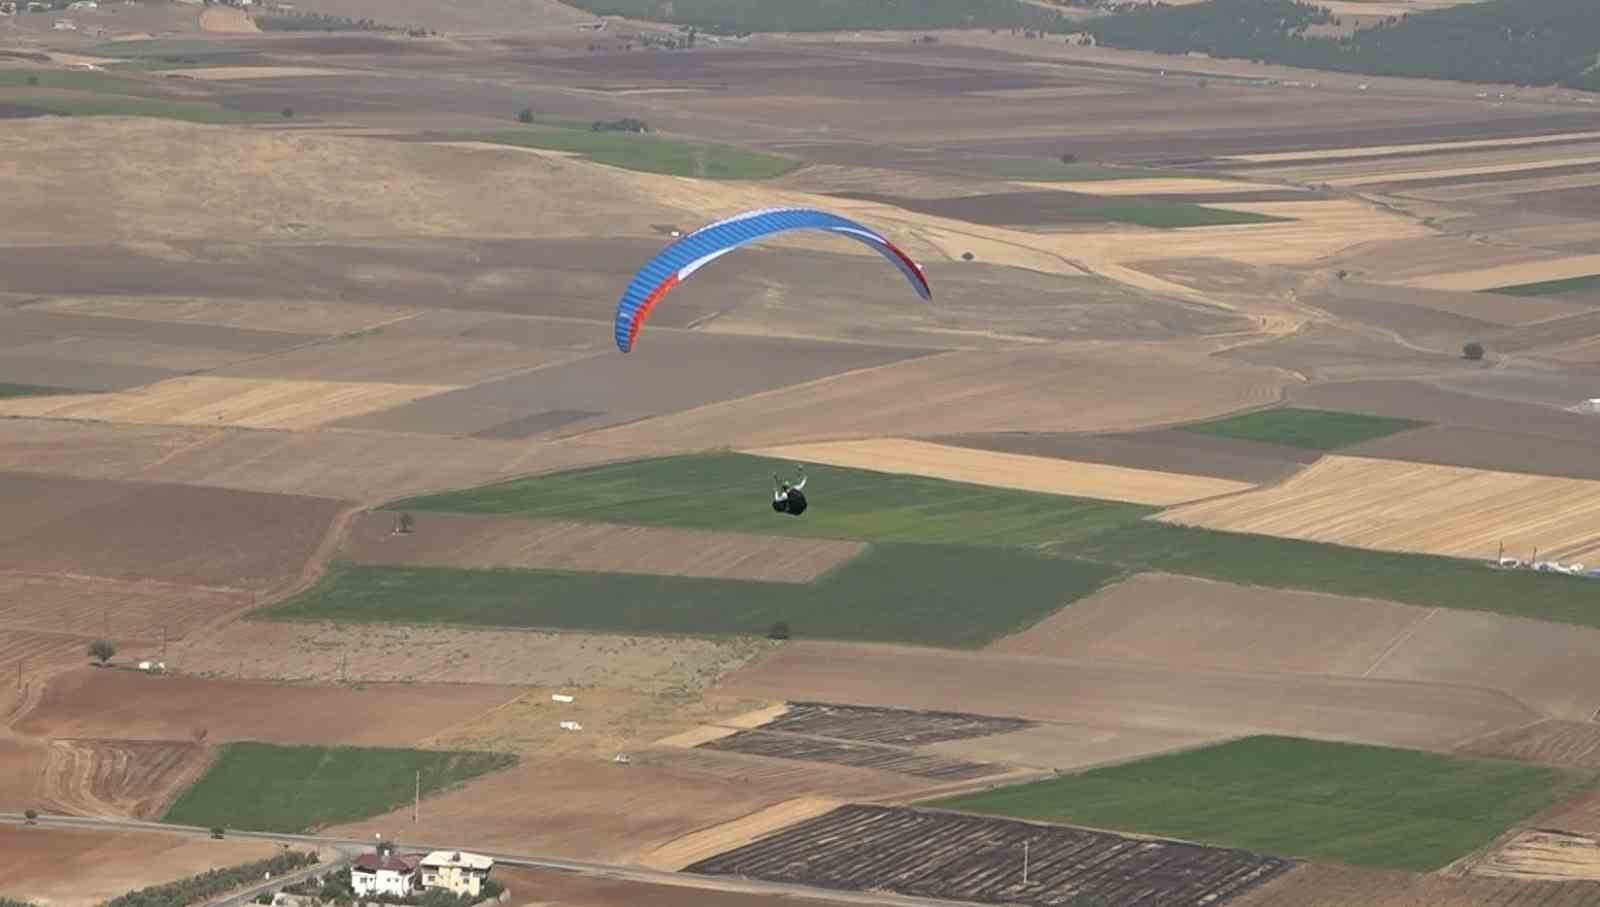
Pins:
<point x="456" y="872"/>
<point x="384" y="872"/>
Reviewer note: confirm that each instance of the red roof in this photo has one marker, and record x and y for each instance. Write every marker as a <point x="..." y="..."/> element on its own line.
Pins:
<point x="372" y="862"/>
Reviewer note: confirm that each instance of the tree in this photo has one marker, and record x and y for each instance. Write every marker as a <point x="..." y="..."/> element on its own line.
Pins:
<point x="33" y="81"/>
<point x="408" y="523"/>
<point x="102" y="650"/>
<point x="1069" y="158"/>
<point x="216" y="832"/>
<point x="287" y="113"/>
<point x="1473" y="351"/>
<point x="780" y="630"/>
<point x="525" y="115"/>
<point x="31" y="816"/>
<point x="199" y="735"/>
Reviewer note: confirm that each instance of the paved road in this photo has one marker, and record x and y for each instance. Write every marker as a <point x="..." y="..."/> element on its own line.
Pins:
<point x="350" y="846"/>
<point x="244" y="896"/>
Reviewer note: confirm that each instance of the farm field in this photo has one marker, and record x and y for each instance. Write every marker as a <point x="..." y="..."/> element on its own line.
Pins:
<point x="1159" y="450"/>
<point x="553" y="888"/>
<point x="73" y="867"/>
<point x="1342" y="803"/>
<point x="1573" y="744"/>
<point x="208" y="537"/>
<point x="968" y="858"/>
<point x="622" y="813"/>
<point x="1113" y="696"/>
<point x="117" y="609"/>
<point x="1417" y="579"/>
<point x="262" y="787"/>
<point x="935" y="589"/>
<point x="1551" y="287"/>
<point x="118" y="778"/>
<point x="368" y="653"/>
<point x="95" y="703"/>
<point x="479" y="542"/>
<point x="729" y="492"/>
<point x="650" y="154"/>
<point x="1447" y="510"/>
<point x="881" y="758"/>
<point x="1321" y="885"/>
<point x="1314" y="429"/>
<point x="898" y="456"/>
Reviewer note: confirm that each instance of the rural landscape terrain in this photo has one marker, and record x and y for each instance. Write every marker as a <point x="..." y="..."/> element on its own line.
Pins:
<point x="1224" y="529"/>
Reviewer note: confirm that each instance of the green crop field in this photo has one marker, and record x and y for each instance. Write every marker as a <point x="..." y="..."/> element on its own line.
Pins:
<point x="90" y="105"/>
<point x="731" y="492"/>
<point x="1315" y="429"/>
<point x="1362" y="805"/>
<point x="647" y="153"/>
<point x="1550" y="287"/>
<point x="262" y="787"/>
<point x="1419" y="579"/>
<point x="34" y="390"/>
<point x="922" y="594"/>
<point x="97" y="82"/>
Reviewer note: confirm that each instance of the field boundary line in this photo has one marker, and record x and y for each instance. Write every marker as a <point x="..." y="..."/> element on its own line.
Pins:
<point x="1400" y="640"/>
<point x="1458" y="745"/>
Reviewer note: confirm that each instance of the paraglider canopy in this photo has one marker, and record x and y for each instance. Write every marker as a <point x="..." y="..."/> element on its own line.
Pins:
<point x="692" y="252"/>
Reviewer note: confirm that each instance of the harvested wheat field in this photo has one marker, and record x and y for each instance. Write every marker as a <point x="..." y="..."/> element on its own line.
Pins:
<point x="460" y="540"/>
<point x="1115" y="694"/>
<point x="399" y="361"/>
<point x="1180" y="621"/>
<point x="247" y="402"/>
<point x="227" y="20"/>
<point x="353" y="465"/>
<point x="1318" y="885"/>
<point x="321" y="317"/>
<point x="1158" y="186"/>
<point x="1551" y="268"/>
<point x="1396" y="506"/>
<point x="708" y="842"/>
<point x="596" y="809"/>
<point x="62" y="867"/>
<point x="119" y="704"/>
<point x="1009" y="470"/>
<point x="155" y="173"/>
<point x="22" y="770"/>
<point x="1539" y="854"/>
<point x="1570" y="744"/>
<point x="1414" y="148"/>
<point x="383" y="654"/>
<point x="1038" y="390"/>
<point x="35" y="651"/>
<point x="118" y="778"/>
<point x="118" y="609"/>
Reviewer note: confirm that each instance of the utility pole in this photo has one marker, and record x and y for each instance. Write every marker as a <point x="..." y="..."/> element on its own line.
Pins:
<point x="163" y="642"/>
<point x="1024" y="863"/>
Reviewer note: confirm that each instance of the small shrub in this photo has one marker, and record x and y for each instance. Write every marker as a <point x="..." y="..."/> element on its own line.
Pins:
<point x="102" y="651"/>
<point x="31" y="816"/>
<point x="780" y="630"/>
<point x="264" y="897"/>
<point x="1069" y="158"/>
<point x="966" y="256"/>
<point x="525" y="115"/>
<point x="287" y="113"/>
<point x="216" y="832"/>
<point x="33" y="81"/>
<point x="1473" y="351"/>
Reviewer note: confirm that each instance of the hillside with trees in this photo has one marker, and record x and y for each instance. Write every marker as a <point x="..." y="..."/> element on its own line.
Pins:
<point x="747" y="16"/>
<point x="1522" y="42"/>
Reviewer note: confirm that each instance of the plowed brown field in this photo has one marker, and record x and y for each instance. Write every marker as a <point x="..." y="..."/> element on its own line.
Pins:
<point x="329" y="318"/>
<point x="459" y="540"/>
<point x="1390" y="505"/>
<point x="1179" y="621"/>
<point x="1117" y="694"/>
<point x="553" y="888"/>
<point x="1574" y="744"/>
<point x="1039" y="390"/>
<point x="90" y="606"/>
<point x="596" y="809"/>
<point x="1315" y="885"/>
<point x="118" y="778"/>
<point x="62" y="867"/>
<point x="97" y="703"/>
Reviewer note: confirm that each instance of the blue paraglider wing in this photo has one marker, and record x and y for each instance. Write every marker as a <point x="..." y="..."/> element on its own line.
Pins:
<point x="676" y="262"/>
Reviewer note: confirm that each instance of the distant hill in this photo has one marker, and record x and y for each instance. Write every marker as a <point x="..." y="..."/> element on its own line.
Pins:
<point x="1523" y="42"/>
<point x="748" y="16"/>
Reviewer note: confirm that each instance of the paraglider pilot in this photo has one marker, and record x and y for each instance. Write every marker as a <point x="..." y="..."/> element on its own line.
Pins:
<point x="788" y="498"/>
